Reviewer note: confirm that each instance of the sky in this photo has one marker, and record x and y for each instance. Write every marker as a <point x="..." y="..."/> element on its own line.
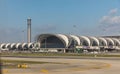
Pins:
<point x="78" y="17"/>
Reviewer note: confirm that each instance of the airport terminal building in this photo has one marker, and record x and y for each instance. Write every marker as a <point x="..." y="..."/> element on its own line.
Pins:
<point x="67" y="43"/>
<point x="72" y="42"/>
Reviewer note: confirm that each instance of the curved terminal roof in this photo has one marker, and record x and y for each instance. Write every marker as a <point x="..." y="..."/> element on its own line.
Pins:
<point x="2" y="45"/>
<point x="7" y="45"/>
<point x="18" y="44"/>
<point x="24" y="45"/>
<point x="86" y="39"/>
<point x="110" y="40"/>
<point x="12" y="45"/>
<point x="30" y="45"/>
<point x="65" y="38"/>
<point x="76" y="38"/>
<point x="62" y="37"/>
<point x="95" y="39"/>
<point x="103" y="39"/>
<point x="116" y="40"/>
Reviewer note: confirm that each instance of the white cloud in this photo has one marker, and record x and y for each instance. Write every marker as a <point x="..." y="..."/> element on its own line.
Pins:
<point x="110" y="23"/>
<point x="110" y="20"/>
<point x="113" y="11"/>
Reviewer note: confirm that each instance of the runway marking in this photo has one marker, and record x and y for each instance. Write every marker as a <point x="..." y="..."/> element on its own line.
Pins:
<point x="4" y="71"/>
<point x="44" y="71"/>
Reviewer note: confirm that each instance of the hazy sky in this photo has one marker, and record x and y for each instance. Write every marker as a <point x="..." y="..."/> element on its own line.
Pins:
<point x="79" y="17"/>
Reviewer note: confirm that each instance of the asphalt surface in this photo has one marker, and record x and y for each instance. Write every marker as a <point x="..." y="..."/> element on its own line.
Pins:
<point x="71" y="65"/>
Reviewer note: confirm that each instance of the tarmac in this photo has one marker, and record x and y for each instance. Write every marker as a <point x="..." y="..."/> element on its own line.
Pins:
<point x="67" y="65"/>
